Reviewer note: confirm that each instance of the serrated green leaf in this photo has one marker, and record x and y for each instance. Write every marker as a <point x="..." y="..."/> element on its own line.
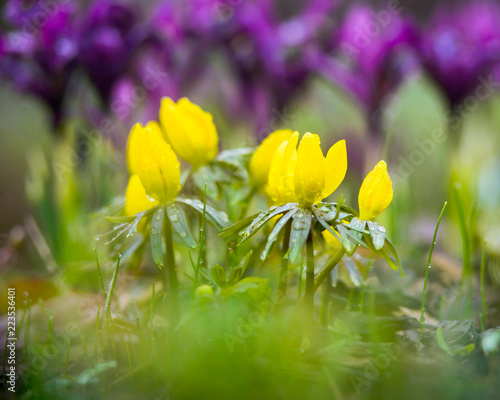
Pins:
<point x="301" y="226"/>
<point x="179" y="223"/>
<point x="357" y="225"/>
<point x="156" y="236"/>
<point x="217" y="218"/>
<point x="276" y="231"/>
<point x="262" y="219"/>
<point x="377" y="234"/>
<point x="234" y="230"/>
<point x="325" y="225"/>
<point x="349" y="246"/>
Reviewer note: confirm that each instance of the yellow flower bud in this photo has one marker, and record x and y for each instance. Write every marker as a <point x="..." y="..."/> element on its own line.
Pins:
<point x="375" y="193"/>
<point x="190" y="131"/>
<point x="204" y="291"/>
<point x="304" y="175"/>
<point x="260" y="163"/>
<point x="154" y="161"/>
<point x="136" y="199"/>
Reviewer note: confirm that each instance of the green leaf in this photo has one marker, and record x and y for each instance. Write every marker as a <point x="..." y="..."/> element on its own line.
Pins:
<point x="353" y="271"/>
<point x="178" y="219"/>
<point x="217" y="218"/>
<point x="357" y="225"/>
<point x="262" y="219"/>
<point x="234" y="230"/>
<point x="441" y="342"/>
<point x="301" y="227"/>
<point x="389" y="246"/>
<point x="207" y="176"/>
<point x="275" y="232"/>
<point x="324" y="223"/>
<point x="377" y="234"/>
<point x="219" y="275"/>
<point x="235" y="275"/>
<point x="122" y="219"/>
<point x="156" y="235"/>
<point x="463" y="351"/>
<point x="349" y="246"/>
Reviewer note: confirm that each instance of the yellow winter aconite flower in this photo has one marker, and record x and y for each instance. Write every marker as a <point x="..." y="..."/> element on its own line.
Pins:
<point x="260" y="163"/>
<point x="375" y="193"/>
<point x="136" y="199"/>
<point x="304" y="175"/>
<point x="154" y="161"/>
<point x="190" y="131"/>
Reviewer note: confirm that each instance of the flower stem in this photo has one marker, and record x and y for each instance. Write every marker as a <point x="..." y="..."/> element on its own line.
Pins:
<point x="309" y="291"/>
<point x="173" y="283"/>
<point x="325" y="300"/>
<point x="283" y="277"/>
<point x="328" y="268"/>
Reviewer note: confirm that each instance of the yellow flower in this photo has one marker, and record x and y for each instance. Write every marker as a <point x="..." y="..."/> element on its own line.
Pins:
<point x="136" y="199"/>
<point x="190" y="131"/>
<point x="134" y="138"/>
<point x="260" y="163"/>
<point x="304" y="175"/>
<point x="154" y="161"/>
<point x="375" y="193"/>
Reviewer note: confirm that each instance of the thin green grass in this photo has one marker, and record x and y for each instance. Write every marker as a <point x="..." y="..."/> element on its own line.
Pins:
<point x="427" y="269"/>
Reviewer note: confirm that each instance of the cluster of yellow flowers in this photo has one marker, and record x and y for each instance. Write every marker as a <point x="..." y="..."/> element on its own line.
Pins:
<point x="278" y="168"/>
<point x="185" y="130"/>
<point x="288" y="174"/>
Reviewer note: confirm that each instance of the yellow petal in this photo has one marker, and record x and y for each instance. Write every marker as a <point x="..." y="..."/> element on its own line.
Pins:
<point x="190" y="131"/>
<point x="280" y="186"/>
<point x="331" y="241"/>
<point x="309" y="176"/>
<point x="375" y="193"/>
<point x="336" y="168"/>
<point x="260" y="163"/>
<point x="133" y="138"/>
<point x="158" y="167"/>
<point x="136" y="199"/>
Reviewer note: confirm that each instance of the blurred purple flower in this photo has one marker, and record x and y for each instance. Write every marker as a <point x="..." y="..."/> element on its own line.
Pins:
<point x="462" y="44"/>
<point x="38" y="56"/>
<point x="374" y="51"/>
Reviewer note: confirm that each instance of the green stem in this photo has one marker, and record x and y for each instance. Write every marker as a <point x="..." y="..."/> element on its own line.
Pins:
<point x="467" y="270"/>
<point x="422" y="318"/>
<point x="171" y="271"/>
<point x="309" y="290"/>
<point x="483" y="295"/>
<point x="330" y="265"/>
<point x="283" y="277"/>
<point x="327" y="284"/>
<point x="365" y="278"/>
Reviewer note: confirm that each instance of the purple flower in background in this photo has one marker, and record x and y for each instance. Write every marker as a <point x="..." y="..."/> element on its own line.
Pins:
<point x="38" y="56"/>
<point x="374" y="51"/>
<point x="270" y="56"/>
<point x="461" y="45"/>
<point x="108" y="38"/>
